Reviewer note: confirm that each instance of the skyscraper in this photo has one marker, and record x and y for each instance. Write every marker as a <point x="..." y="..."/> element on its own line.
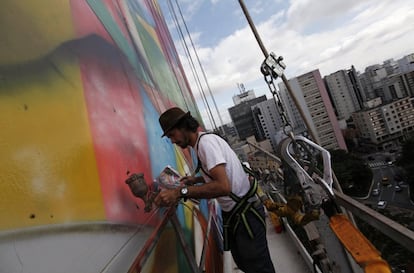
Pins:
<point x="343" y="93"/>
<point x="313" y="99"/>
<point x="245" y="120"/>
<point x="269" y="119"/>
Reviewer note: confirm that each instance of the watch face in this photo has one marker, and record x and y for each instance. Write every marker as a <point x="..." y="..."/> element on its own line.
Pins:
<point x="184" y="191"/>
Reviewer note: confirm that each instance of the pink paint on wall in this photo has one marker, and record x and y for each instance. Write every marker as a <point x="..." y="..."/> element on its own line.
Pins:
<point x="115" y="115"/>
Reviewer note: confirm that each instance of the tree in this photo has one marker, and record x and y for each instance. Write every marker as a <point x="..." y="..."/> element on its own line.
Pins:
<point x="353" y="174"/>
<point x="406" y="161"/>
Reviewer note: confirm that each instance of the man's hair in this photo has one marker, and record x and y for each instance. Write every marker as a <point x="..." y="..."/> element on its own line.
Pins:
<point x="188" y="123"/>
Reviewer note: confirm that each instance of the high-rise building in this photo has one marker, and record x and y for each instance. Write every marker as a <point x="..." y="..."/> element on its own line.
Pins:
<point x="408" y="79"/>
<point x="386" y="123"/>
<point x="395" y="87"/>
<point x="389" y="87"/>
<point x="390" y="66"/>
<point x="343" y="93"/>
<point x="313" y="98"/>
<point x="293" y="114"/>
<point x="372" y="81"/>
<point x="406" y="63"/>
<point x="357" y="86"/>
<point x="390" y="81"/>
<point x="245" y="120"/>
<point x="270" y="119"/>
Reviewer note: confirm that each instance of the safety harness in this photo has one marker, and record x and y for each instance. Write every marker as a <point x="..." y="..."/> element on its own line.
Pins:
<point x="238" y="214"/>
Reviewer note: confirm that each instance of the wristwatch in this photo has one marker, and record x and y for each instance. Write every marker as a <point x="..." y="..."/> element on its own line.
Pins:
<point x="184" y="193"/>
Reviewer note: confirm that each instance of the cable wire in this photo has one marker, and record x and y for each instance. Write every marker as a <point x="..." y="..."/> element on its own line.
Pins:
<point x="194" y="70"/>
<point x="200" y="65"/>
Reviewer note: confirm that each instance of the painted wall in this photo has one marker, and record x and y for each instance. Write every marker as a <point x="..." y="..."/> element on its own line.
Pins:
<point x="82" y="84"/>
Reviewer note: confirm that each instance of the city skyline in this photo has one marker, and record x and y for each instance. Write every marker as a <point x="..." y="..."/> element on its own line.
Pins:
<point x="310" y="35"/>
<point x="383" y="118"/>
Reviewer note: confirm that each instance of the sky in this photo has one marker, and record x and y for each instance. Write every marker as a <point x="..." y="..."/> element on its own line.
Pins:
<point x="309" y="34"/>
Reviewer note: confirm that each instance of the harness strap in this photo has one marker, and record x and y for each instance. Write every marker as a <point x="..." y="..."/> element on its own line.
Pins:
<point x="242" y="207"/>
<point x="238" y="213"/>
<point x="199" y="166"/>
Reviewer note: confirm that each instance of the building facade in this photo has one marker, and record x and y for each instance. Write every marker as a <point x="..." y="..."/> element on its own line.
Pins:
<point x="385" y="124"/>
<point x="269" y="119"/>
<point x="257" y="159"/>
<point x="390" y="81"/>
<point x="343" y="93"/>
<point x="245" y="121"/>
<point x="313" y="99"/>
<point x="406" y="63"/>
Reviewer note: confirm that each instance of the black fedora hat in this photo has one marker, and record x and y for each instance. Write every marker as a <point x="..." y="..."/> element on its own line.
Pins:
<point x="170" y="118"/>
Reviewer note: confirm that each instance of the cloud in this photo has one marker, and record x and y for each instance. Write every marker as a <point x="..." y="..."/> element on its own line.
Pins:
<point x="325" y="35"/>
<point x="188" y="8"/>
<point x="191" y="7"/>
<point x="302" y="13"/>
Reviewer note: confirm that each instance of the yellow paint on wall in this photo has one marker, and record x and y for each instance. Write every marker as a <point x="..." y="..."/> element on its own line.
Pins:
<point x="183" y="169"/>
<point x="48" y="171"/>
<point x="30" y="29"/>
<point x="182" y="166"/>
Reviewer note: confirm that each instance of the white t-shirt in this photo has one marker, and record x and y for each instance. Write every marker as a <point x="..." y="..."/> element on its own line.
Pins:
<point x="212" y="151"/>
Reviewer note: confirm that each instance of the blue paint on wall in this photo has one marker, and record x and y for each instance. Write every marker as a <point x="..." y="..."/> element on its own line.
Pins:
<point x="161" y="150"/>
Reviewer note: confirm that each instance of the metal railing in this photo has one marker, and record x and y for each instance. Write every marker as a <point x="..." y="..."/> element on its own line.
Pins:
<point x="390" y="228"/>
<point x="169" y="216"/>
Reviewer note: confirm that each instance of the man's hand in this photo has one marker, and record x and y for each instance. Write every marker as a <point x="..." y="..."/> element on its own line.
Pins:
<point x="188" y="180"/>
<point x="167" y="197"/>
<point x="191" y="180"/>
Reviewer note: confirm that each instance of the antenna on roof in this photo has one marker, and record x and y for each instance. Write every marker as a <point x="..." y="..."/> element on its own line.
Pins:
<point x="241" y="87"/>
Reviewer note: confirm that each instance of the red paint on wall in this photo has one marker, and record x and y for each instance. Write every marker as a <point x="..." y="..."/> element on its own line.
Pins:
<point x="86" y="22"/>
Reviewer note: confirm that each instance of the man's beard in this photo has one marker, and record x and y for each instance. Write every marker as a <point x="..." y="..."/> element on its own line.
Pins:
<point x="184" y="144"/>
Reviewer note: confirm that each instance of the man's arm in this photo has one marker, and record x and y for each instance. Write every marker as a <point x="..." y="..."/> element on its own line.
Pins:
<point x="218" y="186"/>
<point x="191" y="180"/>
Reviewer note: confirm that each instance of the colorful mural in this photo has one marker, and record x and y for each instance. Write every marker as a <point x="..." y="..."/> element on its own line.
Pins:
<point x="82" y="84"/>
